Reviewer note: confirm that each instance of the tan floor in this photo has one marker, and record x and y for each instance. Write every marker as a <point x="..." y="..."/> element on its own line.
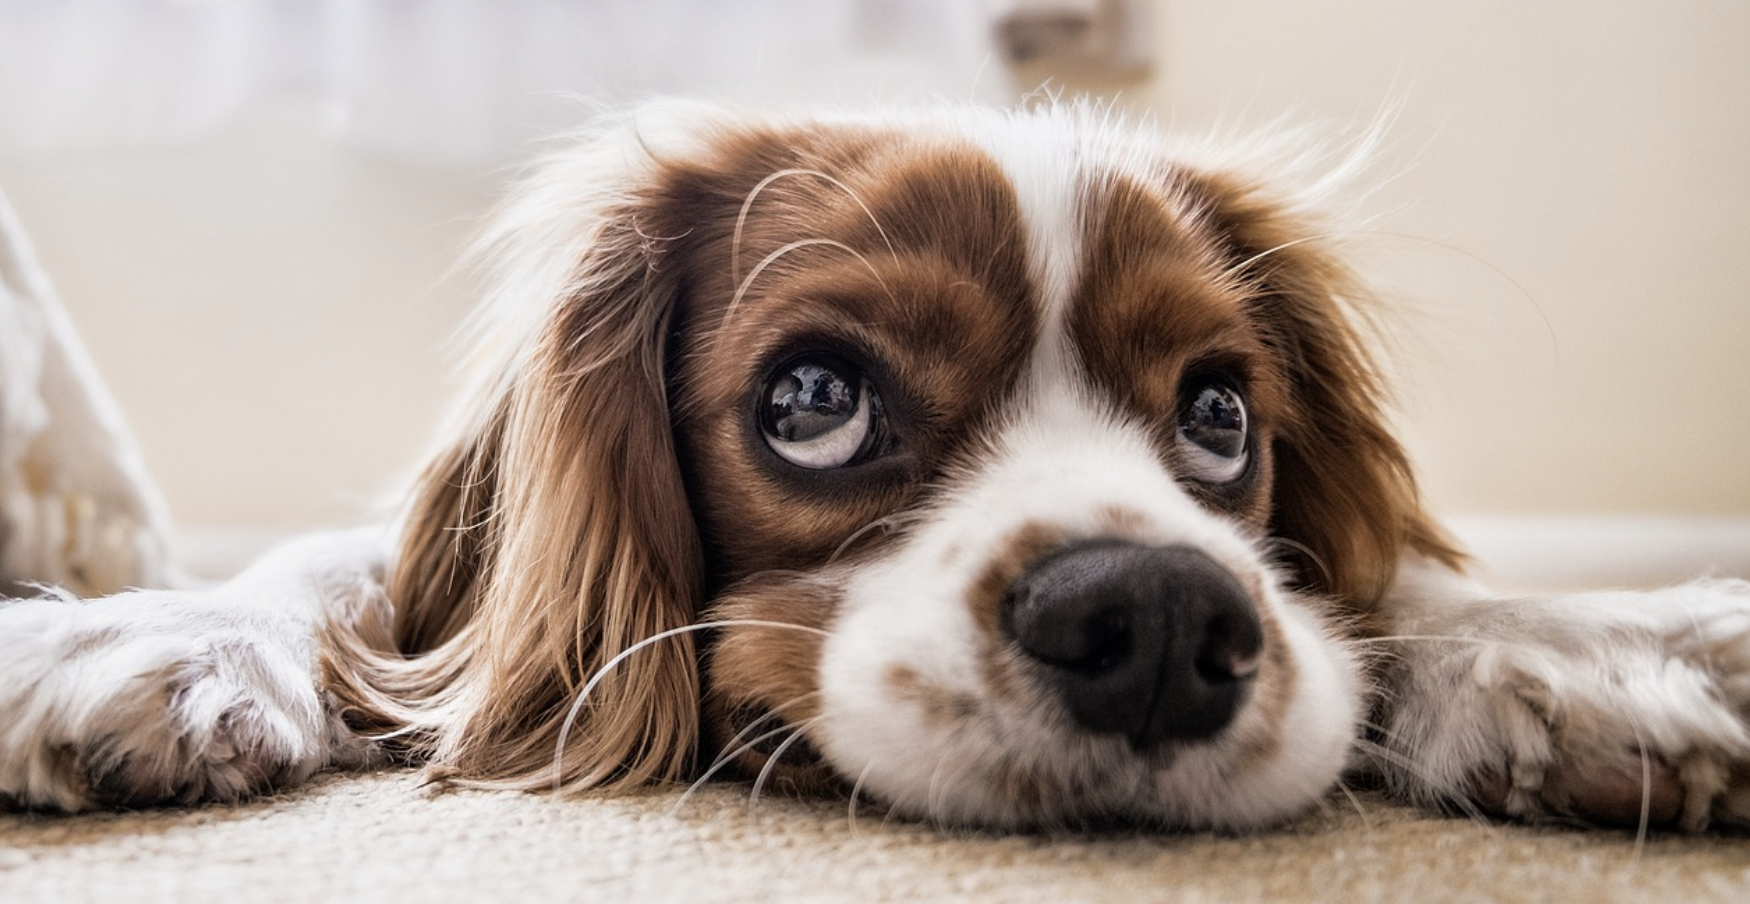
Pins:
<point x="384" y="838"/>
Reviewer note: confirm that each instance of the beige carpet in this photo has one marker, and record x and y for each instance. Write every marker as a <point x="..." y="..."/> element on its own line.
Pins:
<point x="383" y="837"/>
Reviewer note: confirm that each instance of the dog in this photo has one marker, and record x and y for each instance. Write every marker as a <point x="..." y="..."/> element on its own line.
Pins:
<point x="1010" y="469"/>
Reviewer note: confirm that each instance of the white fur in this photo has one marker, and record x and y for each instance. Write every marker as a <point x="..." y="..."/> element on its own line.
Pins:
<point x="181" y="695"/>
<point x="1560" y="692"/>
<point x="909" y="611"/>
<point x="1043" y="163"/>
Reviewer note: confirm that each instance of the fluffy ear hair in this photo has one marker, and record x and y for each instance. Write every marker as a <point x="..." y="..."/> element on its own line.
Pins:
<point x="552" y="533"/>
<point x="1345" y="498"/>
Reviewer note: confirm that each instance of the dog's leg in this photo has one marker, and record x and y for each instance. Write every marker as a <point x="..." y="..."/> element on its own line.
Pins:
<point x="1612" y="707"/>
<point x="77" y="508"/>
<point x="155" y="697"/>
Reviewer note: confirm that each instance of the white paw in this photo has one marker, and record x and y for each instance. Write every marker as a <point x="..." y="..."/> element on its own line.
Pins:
<point x="152" y="698"/>
<point x="1618" y="708"/>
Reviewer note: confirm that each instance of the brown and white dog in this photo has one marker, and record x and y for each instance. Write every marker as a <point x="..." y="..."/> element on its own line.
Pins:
<point x="1009" y="469"/>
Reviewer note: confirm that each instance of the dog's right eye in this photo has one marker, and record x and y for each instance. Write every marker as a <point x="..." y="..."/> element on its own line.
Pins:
<point x="1212" y="433"/>
<point x="819" y="412"/>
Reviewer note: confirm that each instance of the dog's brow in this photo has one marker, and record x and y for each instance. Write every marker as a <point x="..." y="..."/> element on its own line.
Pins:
<point x="754" y="193"/>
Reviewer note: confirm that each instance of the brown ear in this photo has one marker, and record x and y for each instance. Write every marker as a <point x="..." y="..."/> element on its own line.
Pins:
<point x="1344" y="495"/>
<point x="553" y="533"/>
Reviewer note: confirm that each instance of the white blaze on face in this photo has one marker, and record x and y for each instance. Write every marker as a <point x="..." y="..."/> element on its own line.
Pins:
<point x="919" y="708"/>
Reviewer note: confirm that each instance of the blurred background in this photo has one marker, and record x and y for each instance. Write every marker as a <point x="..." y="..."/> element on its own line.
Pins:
<point x="252" y="208"/>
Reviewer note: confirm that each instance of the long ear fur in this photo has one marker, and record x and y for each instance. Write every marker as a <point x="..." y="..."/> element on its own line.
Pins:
<point x="552" y="533"/>
<point x="1345" y="498"/>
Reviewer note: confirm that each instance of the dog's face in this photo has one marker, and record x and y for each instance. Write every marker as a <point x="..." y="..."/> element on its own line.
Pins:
<point x="1030" y="474"/>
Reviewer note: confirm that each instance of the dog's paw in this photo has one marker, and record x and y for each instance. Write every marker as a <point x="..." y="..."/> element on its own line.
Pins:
<point x="1612" y="708"/>
<point x="152" y="698"/>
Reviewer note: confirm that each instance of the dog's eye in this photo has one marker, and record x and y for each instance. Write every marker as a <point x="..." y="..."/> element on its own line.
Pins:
<point x="819" y="412"/>
<point x="1212" y="433"/>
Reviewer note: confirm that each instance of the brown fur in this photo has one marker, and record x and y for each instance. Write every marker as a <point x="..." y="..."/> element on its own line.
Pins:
<point x="1155" y="309"/>
<point x="1344" y="494"/>
<point x="607" y="488"/>
<point x="552" y="537"/>
<point x="765" y="670"/>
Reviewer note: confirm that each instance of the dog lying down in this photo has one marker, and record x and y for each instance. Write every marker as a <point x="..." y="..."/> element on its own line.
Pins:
<point x="1023" y="470"/>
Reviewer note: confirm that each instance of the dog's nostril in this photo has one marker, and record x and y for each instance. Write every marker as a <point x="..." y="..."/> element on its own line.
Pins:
<point x="1231" y="650"/>
<point x="1090" y="643"/>
<point x="1154" y="643"/>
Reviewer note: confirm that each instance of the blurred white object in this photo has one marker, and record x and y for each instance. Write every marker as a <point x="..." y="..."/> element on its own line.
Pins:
<point x="465" y="81"/>
<point x="76" y="506"/>
<point x="1549" y="553"/>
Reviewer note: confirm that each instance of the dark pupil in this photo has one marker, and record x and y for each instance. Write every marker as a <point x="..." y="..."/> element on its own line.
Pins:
<point x="810" y="400"/>
<point x="1217" y="422"/>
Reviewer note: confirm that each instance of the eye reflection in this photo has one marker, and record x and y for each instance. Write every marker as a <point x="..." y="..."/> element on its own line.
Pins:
<point x="819" y="412"/>
<point x="1213" y="434"/>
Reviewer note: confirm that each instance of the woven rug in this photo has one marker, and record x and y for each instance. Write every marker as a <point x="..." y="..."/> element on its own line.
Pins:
<point x="386" y="837"/>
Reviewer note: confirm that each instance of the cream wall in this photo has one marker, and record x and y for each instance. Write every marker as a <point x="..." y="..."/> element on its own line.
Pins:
<point x="269" y="308"/>
<point x="1565" y="233"/>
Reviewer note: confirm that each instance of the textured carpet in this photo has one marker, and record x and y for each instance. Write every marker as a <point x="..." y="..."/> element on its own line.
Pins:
<point x="383" y="837"/>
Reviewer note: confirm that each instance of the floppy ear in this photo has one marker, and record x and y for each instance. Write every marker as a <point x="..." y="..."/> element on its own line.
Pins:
<point x="552" y="533"/>
<point x="1344" y="495"/>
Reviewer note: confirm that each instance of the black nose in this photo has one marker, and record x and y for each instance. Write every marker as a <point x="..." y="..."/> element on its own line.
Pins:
<point x="1153" y="643"/>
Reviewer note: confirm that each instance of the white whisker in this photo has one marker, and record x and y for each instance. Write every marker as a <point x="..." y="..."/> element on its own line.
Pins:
<point x="1236" y="269"/>
<point x="1403" y="762"/>
<point x="727" y="756"/>
<point x="744" y="285"/>
<point x="1305" y="550"/>
<point x="772" y="763"/>
<point x="601" y="673"/>
<point x="1646" y="819"/>
<point x="856" y="789"/>
<point x="738" y="745"/>
<point x="752" y="195"/>
<point x="886" y="523"/>
<point x="1354" y="801"/>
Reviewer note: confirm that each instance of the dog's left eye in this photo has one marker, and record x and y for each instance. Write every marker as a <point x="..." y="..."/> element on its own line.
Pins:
<point x="820" y="412"/>
<point x="1212" y="433"/>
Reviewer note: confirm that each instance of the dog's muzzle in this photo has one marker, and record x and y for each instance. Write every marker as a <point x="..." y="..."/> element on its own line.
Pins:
<point x="1156" y="644"/>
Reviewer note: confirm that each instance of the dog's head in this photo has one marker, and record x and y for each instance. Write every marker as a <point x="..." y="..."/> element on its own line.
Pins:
<point x="1029" y="472"/>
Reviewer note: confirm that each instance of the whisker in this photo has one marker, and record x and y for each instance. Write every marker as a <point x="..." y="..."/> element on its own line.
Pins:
<point x="1410" y="766"/>
<point x="1305" y="550"/>
<point x="772" y="763"/>
<point x="623" y="655"/>
<point x="1354" y="801"/>
<point x="796" y="575"/>
<point x="1430" y="638"/>
<point x="1646" y="819"/>
<point x="1519" y="288"/>
<point x="744" y="285"/>
<point x="856" y="789"/>
<point x="885" y="523"/>
<point x="937" y="792"/>
<point x="736" y="746"/>
<point x="727" y="757"/>
<point x="752" y="195"/>
<point x="1235" y="270"/>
